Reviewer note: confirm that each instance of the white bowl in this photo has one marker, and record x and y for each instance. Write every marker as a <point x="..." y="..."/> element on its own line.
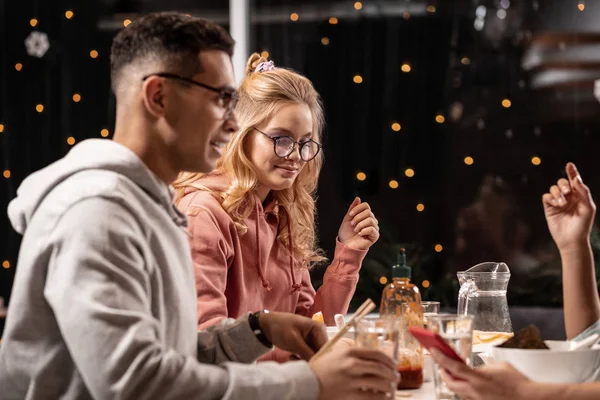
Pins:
<point x="552" y="366"/>
<point x="559" y="345"/>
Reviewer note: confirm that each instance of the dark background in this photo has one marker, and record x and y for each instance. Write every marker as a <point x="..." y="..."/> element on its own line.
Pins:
<point x="543" y="57"/>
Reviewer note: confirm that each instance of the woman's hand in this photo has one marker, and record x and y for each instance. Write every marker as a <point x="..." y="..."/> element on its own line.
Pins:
<point x="360" y="228"/>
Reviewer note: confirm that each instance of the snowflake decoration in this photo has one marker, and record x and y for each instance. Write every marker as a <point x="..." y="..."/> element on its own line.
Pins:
<point x="37" y="44"/>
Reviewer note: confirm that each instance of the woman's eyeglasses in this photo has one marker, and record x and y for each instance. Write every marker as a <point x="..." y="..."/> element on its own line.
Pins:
<point x="285" y="145"/>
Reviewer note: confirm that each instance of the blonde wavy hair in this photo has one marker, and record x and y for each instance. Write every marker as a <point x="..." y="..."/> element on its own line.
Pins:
<point x="260" y="95"/>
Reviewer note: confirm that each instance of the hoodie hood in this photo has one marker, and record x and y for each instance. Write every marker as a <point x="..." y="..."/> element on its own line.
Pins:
<point x="91" y="154"/>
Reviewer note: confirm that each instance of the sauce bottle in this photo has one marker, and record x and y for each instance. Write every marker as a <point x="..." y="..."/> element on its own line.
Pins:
<point x="402" y="299"/>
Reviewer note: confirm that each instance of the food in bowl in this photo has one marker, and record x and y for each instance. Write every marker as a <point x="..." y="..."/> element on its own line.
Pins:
<point x="528" y="353"/>
<point x="526" y="338"/>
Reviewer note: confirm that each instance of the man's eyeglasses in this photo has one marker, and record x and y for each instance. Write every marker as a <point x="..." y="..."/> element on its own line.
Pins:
<point x="285" y="145"/>
<point x="227" y="98"/>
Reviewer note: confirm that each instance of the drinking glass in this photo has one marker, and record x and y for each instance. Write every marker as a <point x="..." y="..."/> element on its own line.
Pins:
<point x="457" y="331"/>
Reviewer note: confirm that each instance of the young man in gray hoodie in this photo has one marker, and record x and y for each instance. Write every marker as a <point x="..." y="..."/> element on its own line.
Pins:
<point x="104" y="304"/>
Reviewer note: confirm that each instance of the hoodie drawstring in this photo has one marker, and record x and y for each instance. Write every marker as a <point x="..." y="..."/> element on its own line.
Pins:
<point x="295" y="286"/>
<point x="266" y="284"/>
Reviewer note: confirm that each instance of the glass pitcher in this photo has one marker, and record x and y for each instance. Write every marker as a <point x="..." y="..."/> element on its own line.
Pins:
<point x="483" y="294"/>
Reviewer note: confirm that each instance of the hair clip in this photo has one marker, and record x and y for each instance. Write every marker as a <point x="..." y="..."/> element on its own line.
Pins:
<point x="265" y="66"/>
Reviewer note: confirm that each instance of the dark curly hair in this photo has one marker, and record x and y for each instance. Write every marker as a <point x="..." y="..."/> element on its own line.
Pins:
<point x="171" y="38"/>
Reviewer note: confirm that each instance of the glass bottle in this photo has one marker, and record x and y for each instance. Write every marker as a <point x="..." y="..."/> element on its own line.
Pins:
<point x="402" y="299"/>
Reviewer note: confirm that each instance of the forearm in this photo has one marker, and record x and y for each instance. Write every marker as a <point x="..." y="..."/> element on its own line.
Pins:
<point x="339" y="283"/>
<point x="580" y="292"/>
<point x="221" y="343"/>
<point x="564" y="391"/>
<point x="334" y="296"/>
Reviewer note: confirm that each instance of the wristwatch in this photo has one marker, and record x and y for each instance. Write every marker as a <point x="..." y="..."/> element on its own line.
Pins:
<point x="255" y="326"/>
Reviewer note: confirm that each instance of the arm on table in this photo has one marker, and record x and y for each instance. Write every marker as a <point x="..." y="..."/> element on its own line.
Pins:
<point x="96" y="288"/>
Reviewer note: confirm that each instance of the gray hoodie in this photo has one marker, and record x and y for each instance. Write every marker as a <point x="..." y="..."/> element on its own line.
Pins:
<point x="104" y="303"/>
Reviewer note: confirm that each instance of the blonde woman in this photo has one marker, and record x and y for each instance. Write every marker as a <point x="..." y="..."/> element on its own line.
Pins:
<point x="252" y="220"/>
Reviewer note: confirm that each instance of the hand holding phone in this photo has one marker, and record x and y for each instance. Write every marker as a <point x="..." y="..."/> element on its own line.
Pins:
<point x="431" y="340"/>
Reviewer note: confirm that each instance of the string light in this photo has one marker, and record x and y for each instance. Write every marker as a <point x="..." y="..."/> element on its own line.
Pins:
<point x="18" y="67"/>
<point x="6" y="173"/>
<point x="420" y="207"/>
<point x="396" y="127"/>
<point x="425" y="284"/>
<point x="431" y="9"/>
<point x="33" y="22"/>
<point x="536" y="160"/>
<point x="506" y="103"/>
<point x="469" y="160"/>
<point x="6" y="264"/>
<point x="70" y="140"/>
<point x="264" y="54"/>
<point x="76" y="97"/>
<point x="104" y="132"/>
<point x="126" y="22"/>
<point x="1" y="128"/>
<point x="94" y="54"/>
<point x="393" y="184"/>
<point x="361" y="176"/>
<point x="325" y="41"/>
<point x="465" y="61"/>
<point x="581" y="6"/>
<point x="438" y="248"/>
<point x="69" y="14"/>
<point x="405" y="67"/>
<point x="358" y="5"/>
<point x="358" y="79"/>
<point x="409" y="172"/>
<point x="440" y="119"/>
<point x="383" y="280"/>
<point x="333" y="21"/>
<point x="294" y="17"/>
<point x="39" y="108"/>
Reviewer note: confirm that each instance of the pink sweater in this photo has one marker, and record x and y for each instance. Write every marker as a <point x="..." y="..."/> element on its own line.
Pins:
<point x="237" y="273"/>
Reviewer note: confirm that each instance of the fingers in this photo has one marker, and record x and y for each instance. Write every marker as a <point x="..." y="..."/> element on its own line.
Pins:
<point x="360" y="212"/>
<point x="577" y="182"/>
<point x="548" y="200"/>
<point x="317" y="336"/>
<point x="369" y="221"/>
<point x="367" y="367"/>
<point x="373" y="355"/>
<point x="300" y="346"/>
<point x="458" y="369"/>
<point x="373" y="387"/>
<point x="461" y="388"/>
<point x="370" y="232"/>
<point x="573" y="173"/>
<point x="564" y="186"/>
<point x="349" y="213"/>
<point x="558" y="200"/>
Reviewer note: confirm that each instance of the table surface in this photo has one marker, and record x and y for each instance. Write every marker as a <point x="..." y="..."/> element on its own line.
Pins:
<point x="426" y="392"/>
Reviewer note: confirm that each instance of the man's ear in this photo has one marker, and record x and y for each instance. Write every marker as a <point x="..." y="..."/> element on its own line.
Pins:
<point x="154" y="97"/>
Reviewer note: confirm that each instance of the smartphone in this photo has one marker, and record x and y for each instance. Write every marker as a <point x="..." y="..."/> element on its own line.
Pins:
<point x="431" y="340"/>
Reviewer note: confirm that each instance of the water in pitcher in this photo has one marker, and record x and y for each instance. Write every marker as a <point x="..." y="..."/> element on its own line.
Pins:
<point x="483" y="294"/>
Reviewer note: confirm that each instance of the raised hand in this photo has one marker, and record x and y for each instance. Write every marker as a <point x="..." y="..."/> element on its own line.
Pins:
<point x="569" y="210"/>
<point x="360" y="228"/>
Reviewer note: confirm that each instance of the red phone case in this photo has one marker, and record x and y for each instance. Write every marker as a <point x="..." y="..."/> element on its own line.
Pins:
<point x="431" y="340"/>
